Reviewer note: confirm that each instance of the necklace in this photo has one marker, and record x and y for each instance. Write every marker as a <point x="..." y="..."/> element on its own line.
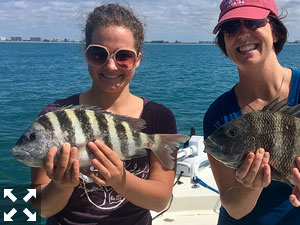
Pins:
<point x="245" y="99"/>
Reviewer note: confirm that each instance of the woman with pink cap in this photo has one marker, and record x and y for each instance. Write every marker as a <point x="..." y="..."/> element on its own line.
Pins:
<point x="251" y="34"/>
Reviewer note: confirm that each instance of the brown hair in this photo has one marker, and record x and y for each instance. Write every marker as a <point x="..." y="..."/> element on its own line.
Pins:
<point x="114" y="14"/>
<point x="278" y="29"/>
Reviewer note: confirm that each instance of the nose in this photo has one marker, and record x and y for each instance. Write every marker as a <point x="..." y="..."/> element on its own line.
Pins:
<point x="111" y="63"/>
<point x="243" y="31"/>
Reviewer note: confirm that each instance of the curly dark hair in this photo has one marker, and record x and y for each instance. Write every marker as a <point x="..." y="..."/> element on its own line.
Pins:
<point x="114" y="14"/>
<point x="278" y="29"/>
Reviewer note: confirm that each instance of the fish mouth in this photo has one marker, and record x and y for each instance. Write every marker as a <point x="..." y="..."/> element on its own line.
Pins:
<point x="18" y="153"/>
<point x="25" y="158"/>
<point x="216" y="151"/>
<point x="211" y="146"/>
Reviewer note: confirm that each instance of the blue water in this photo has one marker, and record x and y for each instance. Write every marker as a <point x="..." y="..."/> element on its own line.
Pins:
<point x="185" y="78"/>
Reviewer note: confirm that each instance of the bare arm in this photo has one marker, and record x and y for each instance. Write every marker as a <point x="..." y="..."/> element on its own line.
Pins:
<point x="55" y="184"/>
<point x="241" y="188"/>
<point x="153" y="193"/>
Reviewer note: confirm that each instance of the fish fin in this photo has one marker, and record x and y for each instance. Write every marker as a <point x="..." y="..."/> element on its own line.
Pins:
<point x="169" y="143"/>
<point x="275" y="175"/>
<point x="294" y="111"/>
<point x="283" y="107"/>
<point x="134" y="123"/>
<point x="84" y="174"/>
<point x="275" y="105"/>
<point x="85" y="178"/>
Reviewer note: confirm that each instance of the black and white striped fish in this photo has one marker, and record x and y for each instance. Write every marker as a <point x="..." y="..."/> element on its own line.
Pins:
<point x="79" y="125"/>
<point x="276" y="128"/>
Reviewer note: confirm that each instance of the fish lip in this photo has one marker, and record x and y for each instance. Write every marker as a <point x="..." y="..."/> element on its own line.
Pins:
<point x="25" y="158"/>
<point x="211" y="144"/>
<point x="20" y="153"/>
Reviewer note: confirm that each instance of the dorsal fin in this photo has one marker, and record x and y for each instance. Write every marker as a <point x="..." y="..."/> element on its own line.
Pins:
<point x="136" y="124"/>
<point x="282" y="106"/>
<point x="276" y="106"/>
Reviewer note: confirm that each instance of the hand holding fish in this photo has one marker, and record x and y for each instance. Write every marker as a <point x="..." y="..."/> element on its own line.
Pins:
<point x="108" y="164"/>
<point x="295" y="196"/>
<point x="65" y="172"/>
<point x="255" y="172"/>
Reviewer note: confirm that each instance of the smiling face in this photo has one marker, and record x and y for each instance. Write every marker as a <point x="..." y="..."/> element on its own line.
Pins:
<point x="250" y="47"/>
<point x="109" y="78"/>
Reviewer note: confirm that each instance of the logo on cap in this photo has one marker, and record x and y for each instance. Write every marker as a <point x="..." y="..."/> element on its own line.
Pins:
<point x="230" y="3"/>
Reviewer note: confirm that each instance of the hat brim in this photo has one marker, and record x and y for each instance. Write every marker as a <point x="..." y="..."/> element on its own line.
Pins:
<point x="245" y="12"/>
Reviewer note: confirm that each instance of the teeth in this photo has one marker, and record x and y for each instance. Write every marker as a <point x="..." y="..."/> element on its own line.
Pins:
<point x="110" y="76"/>
<point x="248" y="48"/>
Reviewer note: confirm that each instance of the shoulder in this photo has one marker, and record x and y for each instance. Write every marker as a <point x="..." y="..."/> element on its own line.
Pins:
<point x="295" y="75"/>
<point x="294" y="95"/>
<point x="158" y="117"/>
<point x="155" y="108"/>
<point x="72" y="100"/>
<point x="222" y="110"/>
<point x="296" y="72"/>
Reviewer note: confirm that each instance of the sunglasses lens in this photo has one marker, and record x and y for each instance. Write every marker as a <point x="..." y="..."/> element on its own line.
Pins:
<point x="231" y="27"/>
<point x="96" y="55"/>
<point x="254" y="24"/>
<point x="125" y="59"/>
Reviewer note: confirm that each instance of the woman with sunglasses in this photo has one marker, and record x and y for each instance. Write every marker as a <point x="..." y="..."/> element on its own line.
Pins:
<point x="251" y="34"/>
<point x="122" y="192"/>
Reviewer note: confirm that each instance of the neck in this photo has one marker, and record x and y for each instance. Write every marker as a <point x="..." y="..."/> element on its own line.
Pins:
<point x="105" y="100"/>
<point x="123" y="103"/>
<point x="259" y="86"/>
<point x="264" y="83"/>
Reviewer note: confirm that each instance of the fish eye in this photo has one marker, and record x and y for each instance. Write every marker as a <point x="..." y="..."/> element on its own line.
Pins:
<point x="232" y="132"/>
<point x="32" y="136"/>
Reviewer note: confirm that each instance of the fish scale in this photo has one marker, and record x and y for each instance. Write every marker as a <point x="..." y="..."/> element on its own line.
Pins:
<point x="81" y="124"/>
<point x="276" y="128"/>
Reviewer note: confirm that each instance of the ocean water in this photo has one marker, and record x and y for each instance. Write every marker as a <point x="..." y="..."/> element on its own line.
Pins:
<point x="185" y="78"/>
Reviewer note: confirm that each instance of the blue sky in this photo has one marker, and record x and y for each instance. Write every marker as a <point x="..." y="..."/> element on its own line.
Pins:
<point x="169" y="20"/>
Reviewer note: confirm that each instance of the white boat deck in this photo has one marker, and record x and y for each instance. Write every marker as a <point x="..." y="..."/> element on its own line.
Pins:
<point x="192" y="204"/>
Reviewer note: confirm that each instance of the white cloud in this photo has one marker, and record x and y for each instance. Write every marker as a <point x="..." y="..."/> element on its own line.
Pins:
<point x="189" y="20"/>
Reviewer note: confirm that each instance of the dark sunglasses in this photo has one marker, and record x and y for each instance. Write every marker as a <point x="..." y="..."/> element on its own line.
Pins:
<point x="98" y="55"/>
<point x="233" y="26"/>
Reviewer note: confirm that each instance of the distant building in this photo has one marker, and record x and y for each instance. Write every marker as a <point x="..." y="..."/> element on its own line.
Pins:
<point x="16" y="39"/>
<point x="56" y="40"/>
<point x="2" y="38"/>
<point x="36" y="39"/>
<point x="67" y="40"/>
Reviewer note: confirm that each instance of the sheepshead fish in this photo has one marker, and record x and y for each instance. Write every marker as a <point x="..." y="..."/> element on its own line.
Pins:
<point x="79" y="125"/>
<point x="276" y="128"/>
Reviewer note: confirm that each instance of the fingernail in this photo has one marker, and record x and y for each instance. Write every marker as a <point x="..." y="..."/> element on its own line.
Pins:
<point x="261" y="151"/>
<point x="266" y="155"/>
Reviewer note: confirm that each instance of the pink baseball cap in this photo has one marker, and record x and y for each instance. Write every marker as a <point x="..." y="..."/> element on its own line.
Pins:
<point x="245" y="9"/>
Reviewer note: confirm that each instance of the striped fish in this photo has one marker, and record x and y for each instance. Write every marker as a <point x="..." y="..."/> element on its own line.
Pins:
<point x="79" y="125"/>
<point x="276" y="128"/>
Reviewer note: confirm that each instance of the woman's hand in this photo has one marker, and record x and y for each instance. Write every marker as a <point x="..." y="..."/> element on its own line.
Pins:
<point x="295" y="196"/>
<point x="255" y="172"/>
<point x="109" y="166"/>
<point x="65" y="172"/>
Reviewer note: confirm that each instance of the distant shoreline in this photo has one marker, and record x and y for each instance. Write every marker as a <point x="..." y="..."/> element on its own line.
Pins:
<point x="147" y="42"/>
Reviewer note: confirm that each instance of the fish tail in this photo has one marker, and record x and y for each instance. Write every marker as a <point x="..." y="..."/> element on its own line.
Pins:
<point x="165" y="147"/>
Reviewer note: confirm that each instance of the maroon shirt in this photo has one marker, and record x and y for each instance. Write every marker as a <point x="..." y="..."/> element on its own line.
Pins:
<point x="94" y="204"/>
